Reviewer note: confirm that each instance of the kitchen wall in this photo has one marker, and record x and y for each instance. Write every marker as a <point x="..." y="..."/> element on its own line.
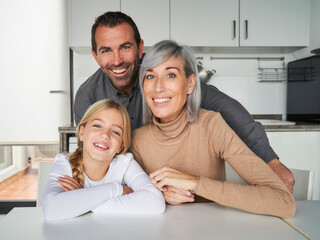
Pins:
<point x="34" y="61"/>
<point x="237" y="78"/>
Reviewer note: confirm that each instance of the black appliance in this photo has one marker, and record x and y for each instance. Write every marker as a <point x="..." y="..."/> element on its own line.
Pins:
<point x="303" y="90"/>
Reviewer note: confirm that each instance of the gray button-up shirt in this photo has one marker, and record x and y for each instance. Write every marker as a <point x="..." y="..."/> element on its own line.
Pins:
<point x="99" y="87"/>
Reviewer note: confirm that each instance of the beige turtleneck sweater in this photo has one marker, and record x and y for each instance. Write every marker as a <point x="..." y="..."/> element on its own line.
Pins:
<point x="200" y="149"/>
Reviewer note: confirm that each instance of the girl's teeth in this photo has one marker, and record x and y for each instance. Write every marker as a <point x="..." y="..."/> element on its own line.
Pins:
<point x="101" y="146"/>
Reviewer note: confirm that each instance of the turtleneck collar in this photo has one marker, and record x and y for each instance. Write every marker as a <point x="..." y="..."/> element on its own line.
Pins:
<point x="172" y="131"/>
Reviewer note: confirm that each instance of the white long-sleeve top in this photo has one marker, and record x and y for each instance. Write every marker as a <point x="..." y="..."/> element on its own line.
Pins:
<point x="104" y="196"/>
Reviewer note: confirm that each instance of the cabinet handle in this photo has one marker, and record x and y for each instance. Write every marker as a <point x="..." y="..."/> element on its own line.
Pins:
<point x="234" y="29"/>
<point x="246" y="23"/>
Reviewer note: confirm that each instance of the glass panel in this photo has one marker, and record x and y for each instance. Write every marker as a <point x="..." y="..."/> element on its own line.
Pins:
<point x="5" y="157"/>
<point x="22" y="184"/>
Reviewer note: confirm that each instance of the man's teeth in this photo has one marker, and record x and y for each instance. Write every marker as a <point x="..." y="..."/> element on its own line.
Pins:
<point x="161" y="100"/>
<point x="101" y="146"/>
<point x="119" y="70"/>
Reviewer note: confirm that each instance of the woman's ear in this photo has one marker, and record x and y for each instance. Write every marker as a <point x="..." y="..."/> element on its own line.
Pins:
<point x="81" y="133"/>
<point x="191" y="83"/>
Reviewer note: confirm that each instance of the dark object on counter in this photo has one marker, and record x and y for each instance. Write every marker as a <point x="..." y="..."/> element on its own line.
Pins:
<point x="316" y="51"/>
<point x="204" y="75"/>
<point x="303" y="90"/>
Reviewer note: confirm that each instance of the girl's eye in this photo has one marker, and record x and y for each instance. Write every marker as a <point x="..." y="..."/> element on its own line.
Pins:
<point x="171" y="75"/>
<point x="97" y="126"/>
<point x="115" y="132"/>
<point x="149" y="77"/>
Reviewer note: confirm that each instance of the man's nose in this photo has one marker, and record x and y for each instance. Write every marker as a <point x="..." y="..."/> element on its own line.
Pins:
<point x="117" y="58"/>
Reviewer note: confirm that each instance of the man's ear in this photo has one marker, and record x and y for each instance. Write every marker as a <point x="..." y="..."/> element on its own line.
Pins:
<point x="95" y="56"/>
<point x="191" y="83"/>
<point x="141" y="46"/>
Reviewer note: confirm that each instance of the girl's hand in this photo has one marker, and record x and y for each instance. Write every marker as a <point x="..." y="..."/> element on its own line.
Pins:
<point x="126" y="190"/>
<point x="176" y="196"/>
<point x="68" y="183"/>
<point x="167" y="176"/>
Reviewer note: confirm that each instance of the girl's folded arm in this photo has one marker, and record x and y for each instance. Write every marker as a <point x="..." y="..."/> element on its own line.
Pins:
<point x="145" y="198"/>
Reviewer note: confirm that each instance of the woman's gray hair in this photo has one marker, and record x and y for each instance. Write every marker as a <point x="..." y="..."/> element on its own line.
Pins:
<point x="160" y="53"/>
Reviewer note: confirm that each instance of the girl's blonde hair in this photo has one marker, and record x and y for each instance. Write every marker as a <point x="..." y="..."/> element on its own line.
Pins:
<point x="76" y="158"/>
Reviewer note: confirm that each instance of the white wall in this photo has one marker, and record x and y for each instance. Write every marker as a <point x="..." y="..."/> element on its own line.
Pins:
<point x="237" y="78"/>
<point x="34" y="61"/>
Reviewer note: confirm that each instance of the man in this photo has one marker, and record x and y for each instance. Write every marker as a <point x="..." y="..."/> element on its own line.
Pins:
<point x="117" y="48"/>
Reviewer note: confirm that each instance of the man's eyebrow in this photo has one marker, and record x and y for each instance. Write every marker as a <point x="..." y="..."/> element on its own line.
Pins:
<point x="126" y="43"/>
<point x="103" y="48"/>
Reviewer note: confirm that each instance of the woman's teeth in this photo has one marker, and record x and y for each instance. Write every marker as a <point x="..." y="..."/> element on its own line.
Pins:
<point x="161" y="100"/>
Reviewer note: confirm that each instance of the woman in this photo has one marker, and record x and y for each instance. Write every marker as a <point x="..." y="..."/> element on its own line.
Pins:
<point x="184" y="148"/>
<point x="100" y="176"/>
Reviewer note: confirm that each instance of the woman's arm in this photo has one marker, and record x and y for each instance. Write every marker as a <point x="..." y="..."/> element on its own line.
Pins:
<point x="265" y="192"/>
<point x="58" y="204"/>
<point x="145" y="198"/>
<point x="252" y="133"/>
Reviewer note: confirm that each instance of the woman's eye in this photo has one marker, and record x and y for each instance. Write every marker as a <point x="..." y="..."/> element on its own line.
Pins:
<point x="171" y="75"/>
<point x="97" y="126"/>
<point x="149" y="77"/>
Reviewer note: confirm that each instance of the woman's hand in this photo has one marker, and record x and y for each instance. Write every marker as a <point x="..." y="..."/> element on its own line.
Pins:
<point x="176" y="196"/>
<point x="68" y="183"/>
<point x="167" y="176"/>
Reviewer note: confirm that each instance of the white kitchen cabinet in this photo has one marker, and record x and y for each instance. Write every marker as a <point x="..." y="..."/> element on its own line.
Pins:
<point x="274" y="23"/>
<point x="151" y="18"/>
<point x="82" y="14"/>
<point x="230" y="23"/>
<point x="299" y="150"/>
<point x="205" y="22"/>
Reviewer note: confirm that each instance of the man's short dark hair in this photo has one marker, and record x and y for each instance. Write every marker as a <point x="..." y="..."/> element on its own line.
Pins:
<point x="113" y="19"/>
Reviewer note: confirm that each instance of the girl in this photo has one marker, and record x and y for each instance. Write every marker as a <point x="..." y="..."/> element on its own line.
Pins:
<point x="99" y="176"/>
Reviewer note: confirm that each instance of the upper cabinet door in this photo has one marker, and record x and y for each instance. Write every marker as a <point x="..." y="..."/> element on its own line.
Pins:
<point x="82" y="14"/>
<point x="205" y="22"/>
<point x="151" y="18"/>
<point x="274" y="22"/>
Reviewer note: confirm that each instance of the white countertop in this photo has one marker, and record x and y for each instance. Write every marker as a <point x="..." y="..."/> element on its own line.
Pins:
<point x="188" y="221"/>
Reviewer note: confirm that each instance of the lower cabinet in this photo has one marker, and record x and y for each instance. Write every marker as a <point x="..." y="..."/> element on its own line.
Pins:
<point x="299" y="150"/>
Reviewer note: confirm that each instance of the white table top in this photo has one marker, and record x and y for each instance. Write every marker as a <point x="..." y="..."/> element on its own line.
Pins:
<point x="307" y="218"/>
<point x="188" y="221"/>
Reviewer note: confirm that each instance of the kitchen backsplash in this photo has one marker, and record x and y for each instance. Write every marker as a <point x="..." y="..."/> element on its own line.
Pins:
<point x="236" y="77"/>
